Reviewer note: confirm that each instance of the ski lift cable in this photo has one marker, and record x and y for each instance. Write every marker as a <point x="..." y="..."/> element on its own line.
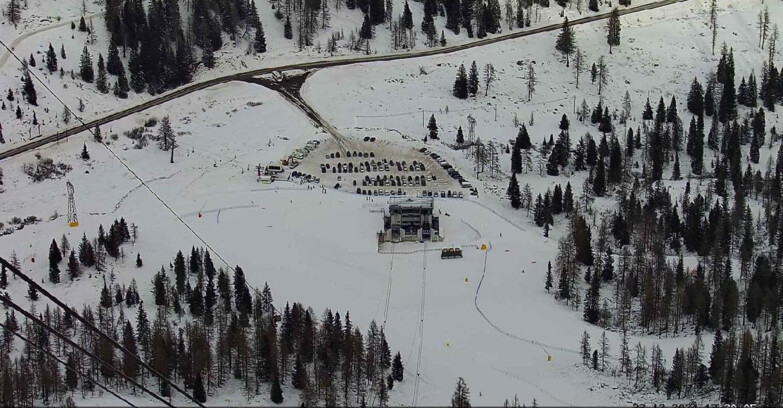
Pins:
<point x="59" y="360"/>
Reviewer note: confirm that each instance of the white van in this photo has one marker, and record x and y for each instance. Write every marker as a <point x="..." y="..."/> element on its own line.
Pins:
<point x="465" y="184"/>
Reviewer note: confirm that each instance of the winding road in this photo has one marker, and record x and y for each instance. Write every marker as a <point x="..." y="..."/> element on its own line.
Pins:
<point x="63" y="23"/>
<point x="188" y="89"/>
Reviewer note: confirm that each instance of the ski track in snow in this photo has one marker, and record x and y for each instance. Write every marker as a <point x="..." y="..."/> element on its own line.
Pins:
<point x="505" y="333"/>
<point x="530" y="383"/>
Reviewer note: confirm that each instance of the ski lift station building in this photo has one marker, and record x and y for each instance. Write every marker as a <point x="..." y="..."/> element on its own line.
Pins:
<point x="410" y="219"/>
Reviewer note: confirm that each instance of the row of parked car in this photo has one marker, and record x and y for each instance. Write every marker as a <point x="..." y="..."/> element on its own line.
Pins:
<point x="453" y="173"/>
<point x="372" y="165"/>
<point x="337" y="155"/>
<point x="396" y="181"/>
<point x="302" y="152"/>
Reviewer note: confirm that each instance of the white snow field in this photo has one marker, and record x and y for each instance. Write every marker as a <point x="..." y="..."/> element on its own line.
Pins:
<point x="485" y="317"/>
<point x="321" y="249"/>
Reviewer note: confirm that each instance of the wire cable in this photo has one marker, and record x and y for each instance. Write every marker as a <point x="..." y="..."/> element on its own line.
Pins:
<point x="6" y="300"/>
<point x="59" y="360"/>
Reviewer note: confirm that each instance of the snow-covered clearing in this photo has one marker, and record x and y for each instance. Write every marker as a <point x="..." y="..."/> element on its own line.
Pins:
<point x="37" y="30"/>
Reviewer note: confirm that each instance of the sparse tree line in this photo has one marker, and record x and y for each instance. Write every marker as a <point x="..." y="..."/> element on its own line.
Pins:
<point x="629" y="272"/>
<point x="229" y="337"/>
<point x="742" y="367"/>
<point x="150" y="49"/>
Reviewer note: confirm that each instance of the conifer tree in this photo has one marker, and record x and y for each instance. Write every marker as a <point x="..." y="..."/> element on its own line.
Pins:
<point x="461" y="396"/>
<point x="29" y="92"/>
<point x="32" y="293"/>
<point x="407" y="17"/>
<point x="287" y="31"/>
<point x="523" y="138"/>
<point x="51" y="59"/>
<point x="461" y="84"/>
<point x="397" y="369"/>
<point x="100" y="81"/>
<point x="516" y="159"/>
<point x="709" y="101"/>
<point x="473" y="80"/>
<point x="593" y="301"/>
<point x="85" y="66"/>
<point x="613" y="29"/>
<point x="599" y="183"/>
<point x="432" y="126"/>
<point x="593" y="5"/>
<point x="548" y="282"/>
<point x="259" y="43"/>
<point x="460" y="137"/>
<point x="696" y="98"/>
<point x="3" y="277"/>
<point x="513" y="193"/>
<point x="55" y="256"/>
<point x="74" y="269"/>
<point x="276" y="393"/>
<point x="566" y="43"/>
<point x="200" y="394"/>
<point x="113" y="62"/>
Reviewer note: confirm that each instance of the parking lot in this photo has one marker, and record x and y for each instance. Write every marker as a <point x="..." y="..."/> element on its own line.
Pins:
<point x="379" y="167"/>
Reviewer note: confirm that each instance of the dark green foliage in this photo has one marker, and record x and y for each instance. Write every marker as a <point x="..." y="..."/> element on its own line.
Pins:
<point x="513" y="192"/>
<point x="461" y="84"/>
<point x="432" y="126"/>
<point x="55" y="257"/>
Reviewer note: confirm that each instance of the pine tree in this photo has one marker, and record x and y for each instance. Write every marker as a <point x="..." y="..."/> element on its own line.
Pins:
<point x="200" y="394"/>
<point x="460" y="137"/>
<point x="407" y="17"/>
<point x="516" y="159"/>
<point x="513" y="192"/>
<point x="3" y="277"/>
<point x="276" y="393"/>
<point x="29" y="92"/>
<point x="696" y="98"/>
<point x="709" y="101"/>
<point x="51" y="59"/>
<point x="584" y="347"/>
<point x="71" y="373"/>
<point x="85" y="66"/>
<point x="676" y="170"/>
<point x="260" y="40"/>
<point x="74" y="269"/>
<point x="62" y="51"/>
<point x="433" y="128"/>
<point x="599" y="183"/>
<point x="523" y="138"/>
<point x="100" y="82"/>
<point x="299" y="375"/>
<point x="548" y="282"/>
<point x="397" y="369"/>
<point x="613" y="29"/>
<point x="473" y="80"/>
<point x="461" y="83"/>
<point x="55" y="257"/>
<point x="287" y="31"/>
<point x="565" y="41"/>
<point x="593" y="301"/>
<point x="113" y="62"/>
<point x="593" y="5"/>
<point x="461" y="396"/>
<point x="32" y="293"/>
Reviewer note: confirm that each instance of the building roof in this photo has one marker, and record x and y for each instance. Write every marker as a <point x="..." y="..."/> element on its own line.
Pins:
<point x="402" y="202"/>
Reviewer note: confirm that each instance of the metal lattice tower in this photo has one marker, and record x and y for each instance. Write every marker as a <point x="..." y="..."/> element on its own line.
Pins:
<point x="471" y="128"/>
<point x="73" y="220"/>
